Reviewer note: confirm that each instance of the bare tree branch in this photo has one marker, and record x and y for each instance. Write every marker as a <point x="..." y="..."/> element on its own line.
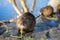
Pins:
<point x="15" y="7"/>
<point x="33" y="5"/>
<point x="24" y="5"/>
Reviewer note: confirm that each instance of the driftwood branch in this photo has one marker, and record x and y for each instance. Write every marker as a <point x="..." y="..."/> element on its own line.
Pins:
<point x="33" y="5"/>
<point x="24" y="5"/>
<point x="15" y="7"/>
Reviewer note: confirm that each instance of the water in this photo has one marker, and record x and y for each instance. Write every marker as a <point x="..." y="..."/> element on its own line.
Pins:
<point x="7" y="11"/>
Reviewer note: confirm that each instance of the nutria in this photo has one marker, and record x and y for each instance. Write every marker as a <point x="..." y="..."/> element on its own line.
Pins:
<point x="27" y="21"/>
<point x="47" y="11"/>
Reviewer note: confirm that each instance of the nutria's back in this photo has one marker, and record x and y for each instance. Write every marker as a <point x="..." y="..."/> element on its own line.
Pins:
<point x="27" y="21"/>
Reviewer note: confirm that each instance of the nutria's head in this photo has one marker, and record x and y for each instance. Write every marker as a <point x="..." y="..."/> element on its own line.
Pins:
<point x="47" y="11"/>
<point x="26" y="21"/>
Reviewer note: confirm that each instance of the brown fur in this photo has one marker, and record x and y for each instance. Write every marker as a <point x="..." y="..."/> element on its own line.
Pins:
<point x="46" y="9"/>
<point x="27" y="20"/>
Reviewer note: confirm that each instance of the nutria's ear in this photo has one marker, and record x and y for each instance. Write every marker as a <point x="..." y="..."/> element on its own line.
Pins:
<point x="15" y="7"/>
<point x="24" y="6"/>
<point x="33" y="5"/>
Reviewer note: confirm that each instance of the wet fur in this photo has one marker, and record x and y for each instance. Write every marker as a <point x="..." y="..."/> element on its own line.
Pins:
<point x="28" y="21"/>
<point x="47" y="7"/>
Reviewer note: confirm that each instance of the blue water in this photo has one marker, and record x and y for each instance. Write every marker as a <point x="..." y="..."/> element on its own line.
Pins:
<point x="7" y="11"/>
